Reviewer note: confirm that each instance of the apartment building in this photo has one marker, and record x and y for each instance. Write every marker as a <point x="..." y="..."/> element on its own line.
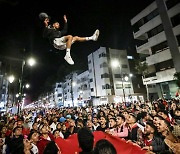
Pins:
<point x="157" y="29"/>
<point x="110" y="83"/>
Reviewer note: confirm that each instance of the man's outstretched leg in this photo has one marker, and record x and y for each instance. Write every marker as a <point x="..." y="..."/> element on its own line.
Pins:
<point x="67" y="57"/>
<point x="94" y="37"/>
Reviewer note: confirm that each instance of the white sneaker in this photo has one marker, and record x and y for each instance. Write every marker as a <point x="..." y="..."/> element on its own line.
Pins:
<point x="69" y="59"/>
<point x="95" y="35"/>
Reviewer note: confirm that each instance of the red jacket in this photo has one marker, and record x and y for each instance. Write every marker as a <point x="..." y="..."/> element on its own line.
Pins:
<point x="43" y="142"/>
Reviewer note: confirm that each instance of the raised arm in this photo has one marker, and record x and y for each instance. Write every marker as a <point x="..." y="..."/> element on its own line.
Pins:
<point x="46" y="22"/>
<point x="64" y="30"/>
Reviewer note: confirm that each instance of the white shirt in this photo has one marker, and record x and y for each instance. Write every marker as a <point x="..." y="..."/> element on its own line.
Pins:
<point x="34" y="149"/>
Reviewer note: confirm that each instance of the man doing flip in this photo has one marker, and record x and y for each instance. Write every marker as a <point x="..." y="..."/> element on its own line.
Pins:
<point x="59" y="39"/>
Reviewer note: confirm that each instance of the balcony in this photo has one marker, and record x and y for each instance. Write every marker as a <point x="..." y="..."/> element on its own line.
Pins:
<point x="162" y="55"/>
<point x="146" y="27"/>
<point x="162" y="76"/>
<point x="143" y="49"/>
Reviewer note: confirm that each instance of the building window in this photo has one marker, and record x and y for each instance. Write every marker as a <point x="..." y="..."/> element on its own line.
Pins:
<point x="119" y="86"/>
<point x="151" y="15"/>
<point x="175" y="20"/>
<point x="89" y="62"/>
<point x="104" y="64"/>
<point x="178" y="39"/>
<point x="117" y="75"/>
<point x="91" y="80"/>
<point x="124" y="66"/>
<point x="105" y="75"/>
<point x="171" y="3"/>
<point x="141" y="42"/>
<point x="137" y="25"/>
<point x="144" y="20"/>
<point x="159" y="47"/>
<point x="59" y="86"/>
<point x="155" y="31"/>
<point x="92" y="89"/>
<point x="102" y="55"/>
<point x="59" y="95"/>
<point x="127" y="86"/>
<point x="123" y="56"/>
<point x="164" y="65"/>
<point x="107" y="86"/>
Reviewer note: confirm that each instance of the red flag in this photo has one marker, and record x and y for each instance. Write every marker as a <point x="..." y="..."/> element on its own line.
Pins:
<point x="71" y="145"/>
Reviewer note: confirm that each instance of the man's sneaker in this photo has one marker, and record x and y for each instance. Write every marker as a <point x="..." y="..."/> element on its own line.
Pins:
<point x="95" y="35"/>
<point x="69" y="59"/>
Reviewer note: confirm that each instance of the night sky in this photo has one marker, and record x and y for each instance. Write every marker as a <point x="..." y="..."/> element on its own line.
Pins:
<point x="21" y="33"/>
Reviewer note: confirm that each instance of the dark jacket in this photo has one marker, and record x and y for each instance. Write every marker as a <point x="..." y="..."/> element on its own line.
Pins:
<point x="158" y="144"/>
<point x="51" y="33"/>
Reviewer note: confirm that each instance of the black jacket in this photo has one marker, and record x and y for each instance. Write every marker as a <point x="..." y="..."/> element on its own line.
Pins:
<point x="51" y="33"/>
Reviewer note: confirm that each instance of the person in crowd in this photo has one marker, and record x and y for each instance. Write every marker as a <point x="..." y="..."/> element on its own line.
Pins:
<point x="72" y="127"/>
<point x="51" y="148"/>
<point x="164" y="114"/>
<point x="65" y="131"/>
<point x="103" y="124"/>
<point x="103" y="146"/>
<point x="54" y="124"/>
<point x="59" y="127"/>
<point x="34" y="127"/>
<point x="157" y="119"/>
<point x="153" y="113"/>
<point x="15" y="140"/>
<point x="121" y="129"/>
<point x="143" y="118"/>
<point x="45" y="137"/>
<point x="3" y="146"/>
<point x="33" y="137"/>
<point x="86" y="140"/>
<point x="132" y="127"/>
<point x="151" y="141"/>
<point x="165" y="128"/>
<point x="89" y="125"/>
<point x="25" y="131"/>
<point x="95" y="122"/>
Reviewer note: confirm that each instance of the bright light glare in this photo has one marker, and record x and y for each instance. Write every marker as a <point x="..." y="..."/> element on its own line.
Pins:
<point x="31" y="61"/>
<point x="114" y="63"/>
<point x="73" y="84"/>
<point x="27" y="85"/>
<point x="126" y="78"/>
<point x="130" y="75"/>
<point x="11" y="78"/>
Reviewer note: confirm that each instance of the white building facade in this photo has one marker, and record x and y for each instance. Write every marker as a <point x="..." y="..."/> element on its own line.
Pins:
<point x="107" y="83"/>
<point x="157" y="28"/>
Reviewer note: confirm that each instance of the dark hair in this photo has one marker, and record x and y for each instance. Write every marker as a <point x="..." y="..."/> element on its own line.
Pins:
<point x="163" y="111"/>
<point x="103" y="146"/>
<point x="113" y="119"/>
<point x="143" y="114"/>
<point x="161" y="118"/>
<point x="51" y="148"/>
<point x="151" y="124"/>
<point x="85" y="139"/>
<point x="16" y="128"/>
<point x="168" y="124"/>
<point x="55" y="131"/>
<point x="30" y="135"/>
<point x="120" y="115"/>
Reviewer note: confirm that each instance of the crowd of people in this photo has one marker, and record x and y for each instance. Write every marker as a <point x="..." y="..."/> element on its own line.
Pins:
<point x="154" y="127"/>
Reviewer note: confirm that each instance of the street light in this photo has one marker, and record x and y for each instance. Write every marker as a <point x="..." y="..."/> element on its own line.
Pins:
<point x="115" y="63"/>
<point x="11" y="78"/>
<point x="31" y="61"/>
<point x="27" y="85"/>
